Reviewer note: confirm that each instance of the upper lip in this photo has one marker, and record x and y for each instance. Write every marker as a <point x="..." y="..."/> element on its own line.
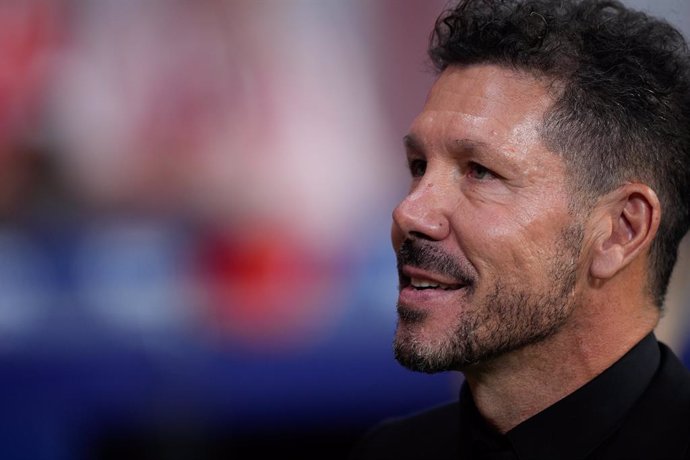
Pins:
<point x="408" y="272"/>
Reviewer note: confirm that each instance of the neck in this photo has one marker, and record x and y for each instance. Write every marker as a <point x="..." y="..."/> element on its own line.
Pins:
<point x="512" y="388"/>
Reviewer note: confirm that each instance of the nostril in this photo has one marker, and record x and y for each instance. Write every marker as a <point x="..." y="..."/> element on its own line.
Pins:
<point x="421" y="236"/>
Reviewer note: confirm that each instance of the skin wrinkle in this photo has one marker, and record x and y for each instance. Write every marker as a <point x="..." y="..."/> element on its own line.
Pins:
<point x="510" y="155"/>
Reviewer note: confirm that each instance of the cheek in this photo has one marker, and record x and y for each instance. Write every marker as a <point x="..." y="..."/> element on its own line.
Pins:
<point x="508" y="242"/>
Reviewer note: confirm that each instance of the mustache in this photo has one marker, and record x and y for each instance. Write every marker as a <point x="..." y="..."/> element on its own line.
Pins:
<point x="426" y="256"/>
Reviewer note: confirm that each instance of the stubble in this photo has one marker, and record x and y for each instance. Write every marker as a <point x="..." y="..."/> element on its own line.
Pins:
<point x="507" y="318"/>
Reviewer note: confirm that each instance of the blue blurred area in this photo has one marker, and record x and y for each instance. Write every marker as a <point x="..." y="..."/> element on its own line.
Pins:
<point x="81" y="369"/>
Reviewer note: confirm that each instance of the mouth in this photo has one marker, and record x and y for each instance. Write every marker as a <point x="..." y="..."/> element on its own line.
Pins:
<point x="419" y="280"/>
<point x="422" y="284"/>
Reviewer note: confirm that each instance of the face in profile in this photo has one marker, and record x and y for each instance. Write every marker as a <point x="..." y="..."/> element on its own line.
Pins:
<point x="486" y="241"/>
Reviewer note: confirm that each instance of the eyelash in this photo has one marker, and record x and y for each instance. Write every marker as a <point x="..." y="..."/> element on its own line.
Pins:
<point x="418" y="168"/>
<point x="476" y="167"/>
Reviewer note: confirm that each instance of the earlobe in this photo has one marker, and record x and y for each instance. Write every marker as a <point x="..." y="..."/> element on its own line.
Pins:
<point x="628" y="225"/>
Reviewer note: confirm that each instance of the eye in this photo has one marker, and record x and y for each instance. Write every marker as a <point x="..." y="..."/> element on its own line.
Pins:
<point x="417" y="167"/>
<point x="479" y="172"/>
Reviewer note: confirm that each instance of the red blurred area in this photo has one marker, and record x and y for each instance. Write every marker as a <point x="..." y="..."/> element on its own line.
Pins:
<point x="266" y="289"/>
<point x="30" y="34"/>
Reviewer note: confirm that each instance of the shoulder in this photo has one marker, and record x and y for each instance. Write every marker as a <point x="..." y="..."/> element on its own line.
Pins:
<point x="672" y="369"/>
<point x="659" y="423"/>
<point x="432" y="433"/>
<point x="669" y="391"/>
<point x="669" y="401"/>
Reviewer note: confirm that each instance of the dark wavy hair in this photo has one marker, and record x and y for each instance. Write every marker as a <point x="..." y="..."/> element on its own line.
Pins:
<point x="621" y="86"/>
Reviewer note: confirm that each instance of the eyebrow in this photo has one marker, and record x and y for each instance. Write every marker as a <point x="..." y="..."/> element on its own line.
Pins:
<point x="412" y="142"/>
<point x="473" y="145"/>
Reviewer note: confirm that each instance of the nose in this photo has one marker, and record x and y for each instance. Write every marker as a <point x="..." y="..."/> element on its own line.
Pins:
<point x="421" y="215"/>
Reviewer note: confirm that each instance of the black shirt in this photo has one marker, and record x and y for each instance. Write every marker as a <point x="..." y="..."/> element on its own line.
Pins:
<point x="594" y="412"/>
<point x="639" y="408"/>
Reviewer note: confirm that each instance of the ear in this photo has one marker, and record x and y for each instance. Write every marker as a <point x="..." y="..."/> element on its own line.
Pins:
<point x="626" y="226"/>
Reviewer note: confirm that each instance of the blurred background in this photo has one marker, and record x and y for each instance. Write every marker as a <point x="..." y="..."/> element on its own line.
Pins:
<point x="195" y="203"/>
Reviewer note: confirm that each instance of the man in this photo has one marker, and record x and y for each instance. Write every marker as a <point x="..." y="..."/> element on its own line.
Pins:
<point x="550" y="185"/>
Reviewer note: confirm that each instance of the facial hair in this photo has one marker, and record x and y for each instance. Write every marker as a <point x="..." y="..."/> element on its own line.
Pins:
<point x="507" y="318"/>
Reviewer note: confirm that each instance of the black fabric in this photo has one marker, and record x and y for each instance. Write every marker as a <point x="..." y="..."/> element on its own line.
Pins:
<point x="639" y="408"/>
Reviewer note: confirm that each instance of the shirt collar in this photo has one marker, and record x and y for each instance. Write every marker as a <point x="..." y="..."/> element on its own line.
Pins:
<point x="574" y="426"/>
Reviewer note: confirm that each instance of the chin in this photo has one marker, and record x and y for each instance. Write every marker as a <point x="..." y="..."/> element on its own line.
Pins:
<point x="422" y="348"/>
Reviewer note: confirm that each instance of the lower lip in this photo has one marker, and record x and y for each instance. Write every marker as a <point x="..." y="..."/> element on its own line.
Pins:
<point x="427" y="297"/>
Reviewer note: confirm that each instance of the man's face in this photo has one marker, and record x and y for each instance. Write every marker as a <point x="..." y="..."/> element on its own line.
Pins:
<point x="487" y="248"/>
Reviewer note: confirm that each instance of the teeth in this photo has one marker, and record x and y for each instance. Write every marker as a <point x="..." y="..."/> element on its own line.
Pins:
<point x="423" y="284"/>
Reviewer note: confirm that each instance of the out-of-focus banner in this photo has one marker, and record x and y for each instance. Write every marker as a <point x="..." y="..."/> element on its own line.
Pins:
<point x="194" y="212"/>
<point x="195" y="203"/>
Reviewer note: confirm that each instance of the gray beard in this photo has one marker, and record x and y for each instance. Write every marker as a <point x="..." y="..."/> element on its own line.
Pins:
<point x="508" y="318"/>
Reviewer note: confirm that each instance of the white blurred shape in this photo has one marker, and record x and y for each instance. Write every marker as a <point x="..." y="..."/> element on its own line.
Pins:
<point x="25" y="290"/>
<point x="130" y="276"/>
<point x="257" y="111"/>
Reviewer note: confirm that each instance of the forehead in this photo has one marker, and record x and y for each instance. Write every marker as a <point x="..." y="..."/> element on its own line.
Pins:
<point x="484" y="103"/>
